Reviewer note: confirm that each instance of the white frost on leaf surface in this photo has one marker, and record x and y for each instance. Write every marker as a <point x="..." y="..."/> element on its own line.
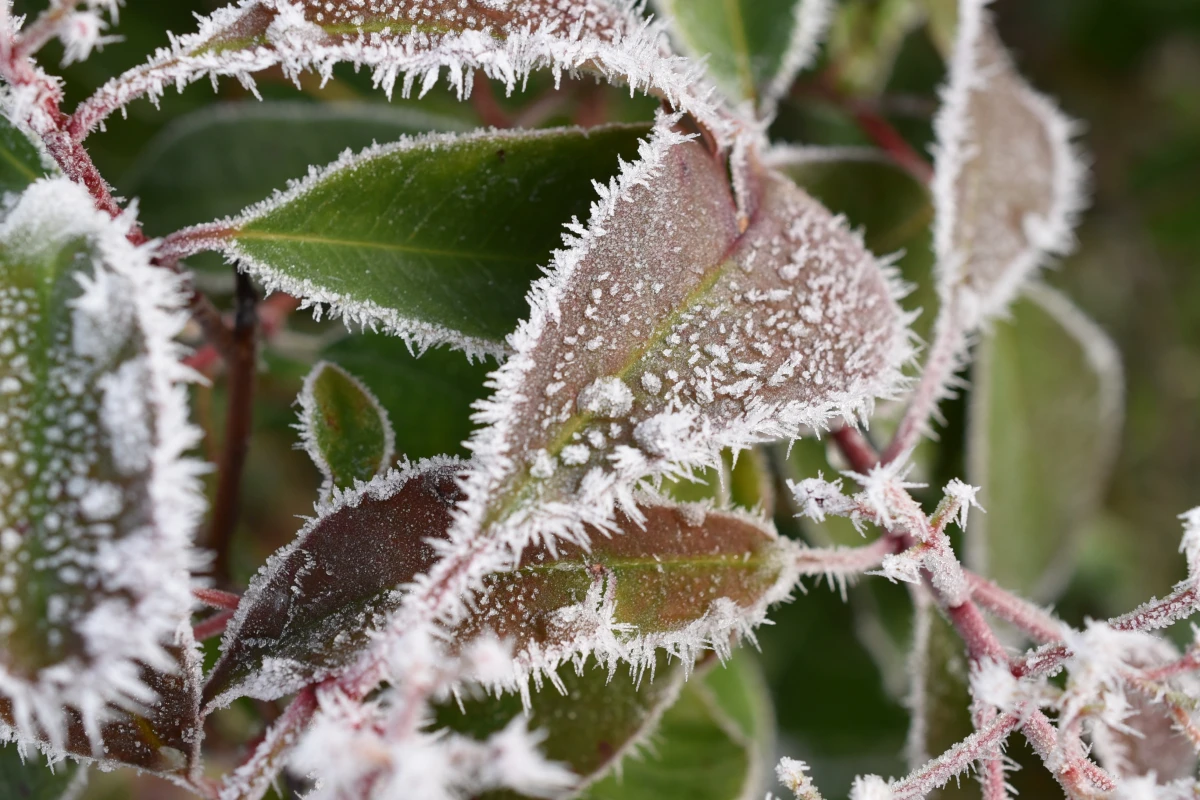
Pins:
<point x="352" y="752"/>
<point x="97" y="502"/>
<point x="415" y="42"/>
<point x="1008" y="184"/>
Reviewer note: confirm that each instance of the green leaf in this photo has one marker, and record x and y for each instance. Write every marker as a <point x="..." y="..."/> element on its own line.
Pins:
<point x="700" y="749"/>
<point x="29" y="778"/>
<point x="315" y="604"/>
<point x="345" y="430"/>
<point x="865" y="39"/>
<point x="438" y="390"/>
<point x="1045" y="420"/>
<point x="435" y="239"/>
<point x="754" y="47"/>
<point x="99" y="504"/>
<point x="217" y="161"/>
<point x="942" y="715"/>
<point x="22" y="159"/>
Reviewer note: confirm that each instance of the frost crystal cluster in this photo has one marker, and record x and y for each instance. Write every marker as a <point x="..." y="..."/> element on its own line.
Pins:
<point x="531" y="565"/>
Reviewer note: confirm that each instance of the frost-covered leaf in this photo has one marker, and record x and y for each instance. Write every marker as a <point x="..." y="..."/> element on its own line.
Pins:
<point x="940" y="698"/>
<point x="1045" y="420"/>
<point x="690" y="576"/>
<point x="593" y="720"/>
<point x="709" y="745"/>
<point x="23" y="159"/>
<point x="98" y="505"/>
<point x="415" y="42"/>
<point x="891" y="207"/>
<point x="1007" y="184"/>
<point x="435" y="238"/>
<point x="314" y="603"/>
<point x="661" y="337"/>
<point x="345" y="430"/>
<point x="217" y="161"/>
<point x="684" y="579"/>
<point x="30" y="777"/>
<point x="754" y="48"/>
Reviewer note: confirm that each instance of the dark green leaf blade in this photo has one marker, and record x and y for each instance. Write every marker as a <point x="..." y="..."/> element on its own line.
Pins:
<point x="217" y="161"/>
<point x="1045" y="420"/>
<point x="344" y="428"/>
<point x="22" y="160"/>
<point x="436" y="239"/>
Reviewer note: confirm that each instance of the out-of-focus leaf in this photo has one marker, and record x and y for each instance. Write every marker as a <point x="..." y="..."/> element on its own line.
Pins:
<point x="865" y="39"/>
<point x="754" y="47"/>
<point x="219" y="160"/>
<point x="345" y="430"/>
<point x="751" y="482"/>
<point x="1045" y="422"/>
<point x="940" y="701"/>
<point x="436" y="239"/>
<point x="97" y="504"/>
<point x="428" y="398"/>
<point x="662" y="337"/>
<point x="22" y="161"/>
<point x="1007" y="184"/>
<point x="591" y="720"/>
<point x="701" y="748"/>
<point x="30" y="777"/>
<point x="684" y="575"/>
<point x="942" y="23"/>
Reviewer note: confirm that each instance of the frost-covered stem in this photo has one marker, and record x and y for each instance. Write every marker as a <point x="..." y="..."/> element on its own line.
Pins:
<point x="215" y="598"/>
<point x="979" y="637"/>
<point x="945" y="357"/>
<point x="1078" y="776"/>
<point x="1032" y="620"/>
<point x="840" y="563"/>
<point x="212" y="626"/>
<point x="1189" y="663"/>
<point x="957" y="760"/>
<point x="1157" y="614"/>
<point x="252" y="779"/>
<point x="243" y="363"/>
<point x="1179" y="706"/>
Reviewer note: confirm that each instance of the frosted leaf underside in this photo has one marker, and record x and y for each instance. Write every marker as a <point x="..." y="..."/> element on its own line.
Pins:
<point x="1007" y="185"/>
<point x="96" y="505"/>
<point x="316" y="604"/>
<point x="672" y="336"/>
<point x="436" y="238"/>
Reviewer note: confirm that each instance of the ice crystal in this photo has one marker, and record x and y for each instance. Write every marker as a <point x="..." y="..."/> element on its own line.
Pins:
<point x="98" y="504"/>
<point x="794" y="775"/>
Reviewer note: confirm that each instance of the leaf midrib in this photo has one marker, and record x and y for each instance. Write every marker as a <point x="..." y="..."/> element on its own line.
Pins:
<point x="333" y="241"/>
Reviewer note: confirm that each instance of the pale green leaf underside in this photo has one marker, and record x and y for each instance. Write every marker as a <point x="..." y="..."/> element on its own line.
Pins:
<point x="745" y="40"/>
<point x="1045" y="416"/>
<point x="434" y="235"/>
